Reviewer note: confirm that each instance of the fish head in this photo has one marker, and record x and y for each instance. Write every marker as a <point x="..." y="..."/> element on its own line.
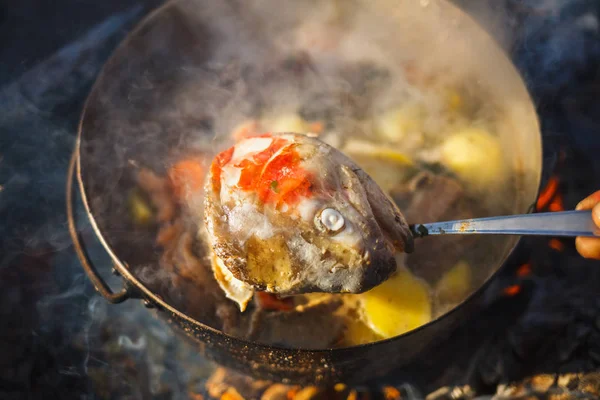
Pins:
<point x="290" y="214"/>
<point x="357" y="227"/>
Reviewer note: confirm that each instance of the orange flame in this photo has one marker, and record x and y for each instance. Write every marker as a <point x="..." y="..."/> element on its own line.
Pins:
<point x="291" y="394"/>
<point x="550" y="199"/>
<point x="556" y="245"/>
<point x="524" y="270"/>
<point x="391" y="393"/>
<point x="548" y="193"/>
<point x="557" y="203"/>
<point x="231" y="394"/>
<point x="512" y="290"/>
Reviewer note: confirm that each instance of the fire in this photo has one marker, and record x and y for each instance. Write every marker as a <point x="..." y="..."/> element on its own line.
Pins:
<point x="548" y="193"/>
<point x="523" y="273"/>
<point x="556" y="244"/>
<point x="557" y="203"/>
<point x="391" y="393"/>
<point x="292" y="393"/>
<point x="231" y="394"/>
<point x="551" y="199"/>
<point x="524" y="270"/>
<point x="512" y="290"/>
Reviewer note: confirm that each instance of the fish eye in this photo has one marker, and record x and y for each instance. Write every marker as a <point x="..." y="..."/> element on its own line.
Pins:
<point x="332" y="220"/>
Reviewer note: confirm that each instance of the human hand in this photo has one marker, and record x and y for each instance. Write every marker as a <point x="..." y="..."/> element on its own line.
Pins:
<point x="586" y="246"/>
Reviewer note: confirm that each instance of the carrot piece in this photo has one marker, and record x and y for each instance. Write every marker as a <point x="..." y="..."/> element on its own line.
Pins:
<point x="245" y="130"/>
<point x="186" y="177"/>
<point x="268" y="301"/>
<point x="317" y="127"/>
<point x="217" y="165"/>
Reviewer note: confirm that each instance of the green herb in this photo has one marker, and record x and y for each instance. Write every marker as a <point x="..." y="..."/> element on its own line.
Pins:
<point x="274" y="185"/>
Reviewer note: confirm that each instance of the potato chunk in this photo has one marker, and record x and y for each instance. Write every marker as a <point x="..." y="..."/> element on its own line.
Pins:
<point x="286" y="123"/>
<point x="474" y="155"/>
<point x="398" y="305"/>
<point x="141" y="212"/>
<point x="455" y="285"/>
<point x="398" y="124"/>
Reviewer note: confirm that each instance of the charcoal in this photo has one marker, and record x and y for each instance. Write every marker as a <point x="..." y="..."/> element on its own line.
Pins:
<point x="224" y="381"/>
<point x="492" y="370"/>
<point x="311" y="393"/>
<point x="452" y="393"/>
<point x="575" y="338"/>
<point x="593" y="347"/>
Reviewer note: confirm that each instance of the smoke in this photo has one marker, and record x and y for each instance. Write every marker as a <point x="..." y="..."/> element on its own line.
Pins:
<point x="59" y="338"/>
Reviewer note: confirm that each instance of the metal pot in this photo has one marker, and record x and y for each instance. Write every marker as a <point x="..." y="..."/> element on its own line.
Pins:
<point x="136" y="112"/>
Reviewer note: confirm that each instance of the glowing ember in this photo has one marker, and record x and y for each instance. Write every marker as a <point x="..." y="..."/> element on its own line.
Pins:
<point x="524" y="270"/>
<point x="556" y="244"/>
<point x="512" y="290"/>
<point x="547" y="194"/>
<point x="551" y="200"/>
<point x="557" y="203"/>
<point x="391" y="393"/>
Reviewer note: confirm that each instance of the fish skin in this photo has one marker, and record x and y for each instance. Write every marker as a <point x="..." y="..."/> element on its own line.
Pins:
<point x="273" y="240"/>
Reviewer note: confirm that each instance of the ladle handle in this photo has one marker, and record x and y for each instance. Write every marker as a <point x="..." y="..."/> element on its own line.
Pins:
<point x="564" y="223"/>
<point x="101" y="286"/>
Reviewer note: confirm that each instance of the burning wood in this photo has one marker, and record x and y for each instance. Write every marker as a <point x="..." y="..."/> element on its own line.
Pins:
<point x="567" y="386"/>
<point x="551" y="199"/>
<point x="537" y="387"/>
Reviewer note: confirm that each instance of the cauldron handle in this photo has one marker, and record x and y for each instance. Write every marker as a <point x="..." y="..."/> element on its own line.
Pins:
<point x="87" y="265"/>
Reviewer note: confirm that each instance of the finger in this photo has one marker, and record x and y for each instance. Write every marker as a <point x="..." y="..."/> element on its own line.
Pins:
<point x="589" y="202"/>
<point x="596" y="214"/>
<point x="588" y="247"/>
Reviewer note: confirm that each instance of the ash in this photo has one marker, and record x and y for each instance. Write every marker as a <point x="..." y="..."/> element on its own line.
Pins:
<point x="537" y="335"/>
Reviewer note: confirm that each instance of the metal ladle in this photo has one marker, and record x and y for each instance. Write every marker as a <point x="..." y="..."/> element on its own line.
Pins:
<point x="564" y="223"/>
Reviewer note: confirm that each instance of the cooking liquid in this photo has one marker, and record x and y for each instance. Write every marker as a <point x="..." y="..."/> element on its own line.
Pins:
<point x="424" y="146"/>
